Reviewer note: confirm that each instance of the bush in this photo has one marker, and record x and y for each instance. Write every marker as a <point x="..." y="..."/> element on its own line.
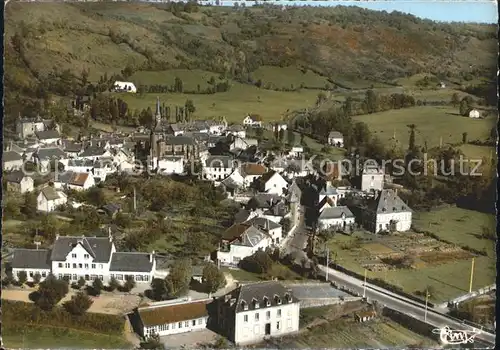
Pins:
<point x="51" y="291"/>
<point x="113" y="284"/>
<point x="78" y="304"/>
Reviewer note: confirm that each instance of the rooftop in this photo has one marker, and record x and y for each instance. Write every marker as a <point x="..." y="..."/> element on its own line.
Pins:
<point x="159" y="315"/>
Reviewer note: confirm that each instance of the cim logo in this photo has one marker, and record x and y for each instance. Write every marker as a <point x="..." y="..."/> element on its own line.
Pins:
<point x="455" y="337"/>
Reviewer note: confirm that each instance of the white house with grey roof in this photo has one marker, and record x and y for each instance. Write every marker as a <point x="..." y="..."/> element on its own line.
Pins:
<point x="48" y="136"/>
<point x="217" y="168"/>
<point x="17" y="181"/>
<point x="335" y="138"/>
<point x="387" y="212"/>
<point x="12" y="161"/>
<point x="372" y="178"/>
<point x="256" y="311"/>
<point x="29" y="126"/>
<point x="43" y="157"/>
<point x="339" y="218"/>
<point x="74" y="257"/>
<point x="31" y="261"/>
<point x="49" y="199"/>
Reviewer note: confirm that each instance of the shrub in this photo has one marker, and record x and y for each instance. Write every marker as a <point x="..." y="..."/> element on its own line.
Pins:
<point x="78" y="304"/>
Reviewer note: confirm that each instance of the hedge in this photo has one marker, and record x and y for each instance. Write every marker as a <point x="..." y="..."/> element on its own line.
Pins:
<point x="19" y="312"/>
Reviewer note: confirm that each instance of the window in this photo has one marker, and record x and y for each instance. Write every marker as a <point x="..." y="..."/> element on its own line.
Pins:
<point x="194" y="323"/>
<point x="289" y="312"/>
<point x="85" y="256"/>
<point x="93" y="266"/>
<point x="67" y="265"/>
<point x="80" y="266"/>
<point x="200" y="321"/>
<point x="268" y="315"/>
<point x="112" y="276"/>
<point x="278" y="326"/>
<point x="167" y="327"/>
<point x="256" y="316"/>
<point x="86" y="266"/>
<point x="93" y="277"/>
<point x="145" y="278"/>
<point x="245" y="318"/>
<point x="73" y="256"/>
<point x="59" y="276"/>
<point x="44" y="274"/>
<point x="186" y="323"/>
<point x="180" y="324"/>
<point x="138" y="277"/>
<point x="279" y="312"/>
<point x="74" y="266"/>
<point x="31" y="273"/>
<point x="75" y="277"/>
<point x="60" y="264"/>
<point x="119" y="277"/>
<point x="173" y="325"/>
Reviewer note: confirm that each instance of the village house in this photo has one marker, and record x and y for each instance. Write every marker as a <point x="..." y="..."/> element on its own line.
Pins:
<point x="337" y="218"/>
<point x="253" y="120"/>
<point x="48" y="137"/>
<point x="269" y="206"/>
<point x="102" y="168"/>
<point x="94" y="152"/>
<point x="90" y="258"/>
<point x="12" y="161"/>
<point x="336" y="139"/>
<point x="32" y="261"/>
<point x="17" y="181"/>
<point x="74" y="181"/>
<point x="474" y="114"/>
<point x="49" y="199"/>
<point x="387" y="213"/>
<point x="328" y="194"/>
<point x="237" y="131"/>
<point x="26" y="127"/>
<point x="240" y="143"/>
<point x="169" y="165"/>
<point x="265" y="225"/>
<point x="254" y="312"/>
<point x="72" y="148"/>
<point x="240" y="241"/>
<point x="271" y="182"/>
<point x="217" y="168"/>
<point x="297" y="168"/>
<point x="250" y="172"/>
<point x="48" y="158"/>
<point x="296" y="152"/>
<point x="79" y="165"/>
<point x="372" y="178"/>
<point x="124" y="86"/>
<point x="172" y="317"/>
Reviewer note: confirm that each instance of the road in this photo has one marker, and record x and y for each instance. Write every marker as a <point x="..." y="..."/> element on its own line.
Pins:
<point x="296" y="245"/>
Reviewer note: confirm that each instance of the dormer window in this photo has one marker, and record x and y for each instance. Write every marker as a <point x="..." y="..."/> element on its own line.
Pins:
<point x="288" y="297"/>
<point x="278" y="299"/>
<point x="267" y="301"/>
<point x="244" y="305"/>
<point x="255" y="303"/>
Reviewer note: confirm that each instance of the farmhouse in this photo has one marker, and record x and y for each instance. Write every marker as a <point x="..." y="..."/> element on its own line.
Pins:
<point x="387" y="212"/>
<point x="76" y="181"/>
<point x="372" y="178"/>
<point x="338" y="218"/>
<point x="17" y="181"/>
<point x="217" y="168"/>
<point x="272" y="182"/>
<point x="250" y="172"/>
<point x="90" y="258"/>
<point x="253" y="312"/>
<point x="124" y="86"/>
<point x="49" y="199"/>
<point x="172" y="317"/>
<point x="253" y="120"/>
<point x="336" y="139"/>
<point x="12" y="161"/>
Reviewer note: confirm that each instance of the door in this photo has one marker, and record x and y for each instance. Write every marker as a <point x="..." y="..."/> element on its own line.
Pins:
<point x="268" y="329"/>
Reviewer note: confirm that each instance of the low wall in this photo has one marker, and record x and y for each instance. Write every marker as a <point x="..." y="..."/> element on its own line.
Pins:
<point x="411" y="323"/>
<point x="310" y="303"/>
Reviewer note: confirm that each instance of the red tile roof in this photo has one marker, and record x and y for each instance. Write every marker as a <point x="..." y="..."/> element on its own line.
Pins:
<point x="253" y="169"/>
<point x="153" y="316"/>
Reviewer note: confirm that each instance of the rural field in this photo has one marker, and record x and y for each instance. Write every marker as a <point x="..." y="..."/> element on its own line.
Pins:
<point x="325" y="331"/>
<point x="432" y="122"/>
<point x="445" y="267"/>
<point x="234" y="104"/>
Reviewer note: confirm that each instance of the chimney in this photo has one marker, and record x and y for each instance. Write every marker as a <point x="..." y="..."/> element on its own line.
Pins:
<point x="151" y="256"/>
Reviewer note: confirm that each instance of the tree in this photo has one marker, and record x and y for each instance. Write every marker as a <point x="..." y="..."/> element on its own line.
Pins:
<point x="78" y="304"/>
<point x="97" y="286"/>
<point x="464" y="107"/>
<point x="213" y="278"/>
<point x="290" y="137"/>
<point x="178" y="85"/>
<point x="276" y="131"/>
<point x="455" y="100"/>
<point x="129" y="283"/>
<point x="281" y="135"/>
<point x="159" y="289"/>
<point x="321" y="98"/>
<point x="411" y="141"/>
<point x="22" y="277"/>
<point x="81" y="282"/>
<point x="153" y="342"/>
<point x="179" y="278"/>
<point x="51" y="291"/>
<point x="464" y="137"/>
<point x="95" y="196"/>
<point x="259" y="132"/>
<point x="113" y="284"/>
<point x="37" y="278"/>
<point x="30" y="205"/>
<point x="371" y="100"/>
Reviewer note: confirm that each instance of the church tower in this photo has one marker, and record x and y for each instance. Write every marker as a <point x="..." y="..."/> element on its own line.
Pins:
<point x="153" y="142"/>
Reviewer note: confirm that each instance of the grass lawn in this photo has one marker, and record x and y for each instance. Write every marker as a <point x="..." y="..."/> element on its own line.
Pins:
<point x="190" y="78"/>
<point x="345" y="333"/>
<point x="433" y="122"/>
<point x="289" y="77"/>
<point x="460" y="226"/>
<point x="478" y="152"/>
<point x="35" y="337"/>
<point x="234" y="104"/>
<point x="278" y="270"/>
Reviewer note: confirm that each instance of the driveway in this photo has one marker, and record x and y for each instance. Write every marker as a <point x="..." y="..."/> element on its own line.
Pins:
<point x="189" y="340"/>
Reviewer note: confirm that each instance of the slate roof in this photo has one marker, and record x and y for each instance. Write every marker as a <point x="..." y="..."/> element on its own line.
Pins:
<point x="31" y="259"/>
<point x="93" y="151"/>
<point x="72" y="178"/>
<point x="154" y="316"/>
<point x="131" y="262"/>
<point x="11" y="156"/>
<point x="47" y="134"/>
<point x="263" y="224"/>
<point x="98" y="247"/>
<point x="389" y="202"/>
<point x="180" y="140"/>
<point x="50" y="153"/>
<point x="235" y="128"/>
<point x="15" y="176"/>
<point x="225" y="162"/>
<point x="335" y="134"/>
<point x="241" y="216"/>
<point x="335" y="213"/>
<point x="244" y="234"/>
<point x="263" y="201"/>
<point x="259" y="294"/>
<point x="50" y="193"/>
<point x="74" y="147"/>
<point x="80" y="163"/>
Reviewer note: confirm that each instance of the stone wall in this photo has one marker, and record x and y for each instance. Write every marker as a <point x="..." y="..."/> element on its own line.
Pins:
<point x="309" y="303"/>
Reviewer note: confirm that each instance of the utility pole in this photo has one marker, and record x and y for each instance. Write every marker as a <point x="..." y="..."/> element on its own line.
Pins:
<point x="327" y="262"/>
<point x="426" y="299"/>
<point x="441" y="142"/>
<point x="364" y="287"/>
<point x="135" y="201"/>
<point x="471" y="275"/>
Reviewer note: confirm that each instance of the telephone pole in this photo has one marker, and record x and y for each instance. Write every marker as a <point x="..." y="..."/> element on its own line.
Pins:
<point x="364" y="287"/>
<point x="471" y="275"/>
<point x="426" y="300"/>
<point x="327" y="262"/>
